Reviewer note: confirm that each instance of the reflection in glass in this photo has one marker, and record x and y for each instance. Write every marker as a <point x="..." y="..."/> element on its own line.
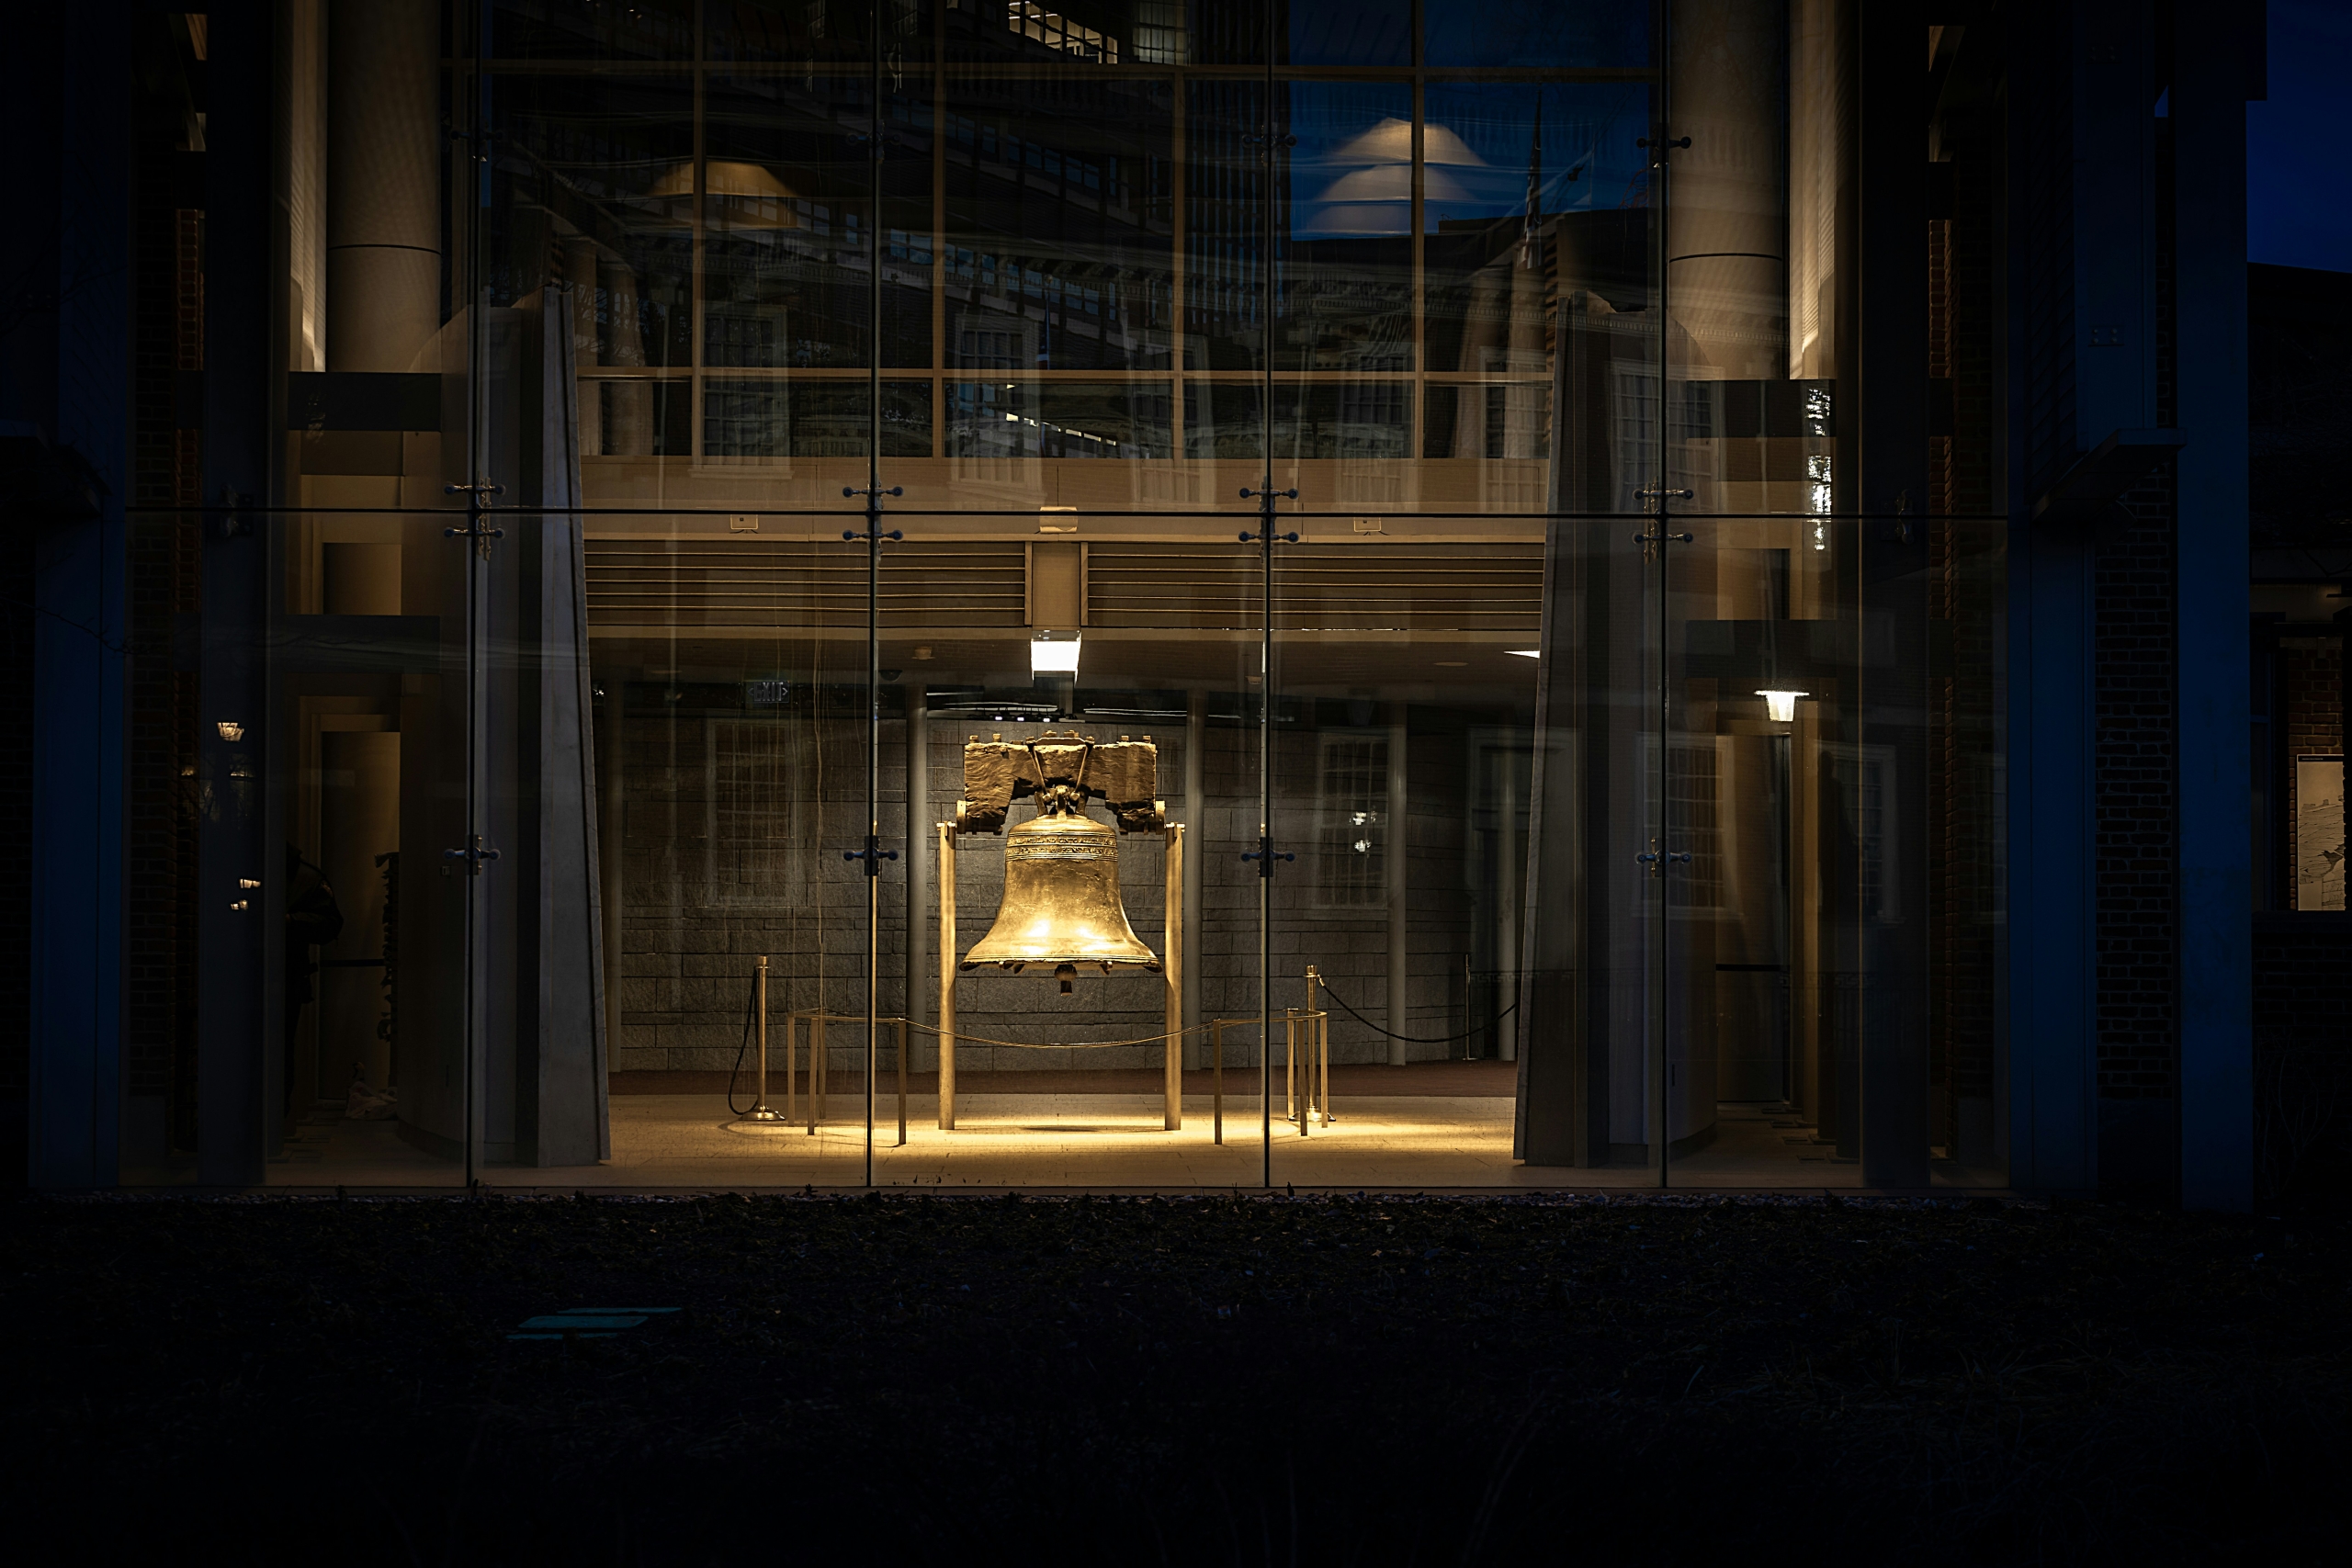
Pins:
<point x="591" y="184"/>
<point x="1587" y="33"/>
<point x="1343" y="251"/>
<point x="1057" y="419"/>
<point x="587" y="29"/>
<point x="788" y="198"/>
<point x="778" y="418"/>
<point x="1312" y="420"/>
<point x="1057" y="225"/>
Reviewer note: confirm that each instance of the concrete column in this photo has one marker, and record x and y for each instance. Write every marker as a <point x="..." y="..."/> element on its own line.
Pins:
<point x="383" y="299"/>
<point x="1399" y="848"/>
<point x="1727" y="278"/>
<point x="1196" y="726"/>
<point x="628" y="421"/>
<point x="580" y="271"/>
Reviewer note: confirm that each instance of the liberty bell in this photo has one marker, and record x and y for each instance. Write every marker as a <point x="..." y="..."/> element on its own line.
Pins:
<point x="1061" y="868"/>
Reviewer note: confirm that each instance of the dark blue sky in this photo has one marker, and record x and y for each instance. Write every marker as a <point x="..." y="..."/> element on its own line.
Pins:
<point x="2299" y="192"/>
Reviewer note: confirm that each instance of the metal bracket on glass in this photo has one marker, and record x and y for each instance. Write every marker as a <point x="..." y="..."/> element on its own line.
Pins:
<point x="476" y="504"/>
<point x="874" y="533"/>
<point x="873" y="855"/>
<point x="1269" y="144"/>
<point x="233" y="523"/>
<point x="1663" y="146"/>
<point x="1266" y="855"/>
<point x="1651" y="860"/>
<point x="473" y="854"/>
<point x="1265" y="533"/>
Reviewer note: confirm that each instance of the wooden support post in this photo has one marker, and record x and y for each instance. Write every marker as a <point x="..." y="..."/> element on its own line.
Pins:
<point x="948" y="976"/>
<point x="1173" y="967"/>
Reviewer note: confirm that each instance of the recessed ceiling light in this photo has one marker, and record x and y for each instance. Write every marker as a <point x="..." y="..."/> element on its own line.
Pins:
<point x="1524" y="653"/>
<point x="1051" y="654"/>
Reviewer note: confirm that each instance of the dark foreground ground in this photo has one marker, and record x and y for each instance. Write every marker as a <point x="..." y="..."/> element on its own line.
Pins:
<point x="963" y="1381"/>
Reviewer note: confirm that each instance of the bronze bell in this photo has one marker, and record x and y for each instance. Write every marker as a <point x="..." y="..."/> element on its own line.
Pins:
<point x="1061" y="895"/>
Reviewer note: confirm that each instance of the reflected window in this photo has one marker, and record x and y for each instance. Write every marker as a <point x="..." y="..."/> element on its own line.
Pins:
<point x="1587" y="33"/>
<point x="776" y="418"/>
<point x="1057" y="419"/>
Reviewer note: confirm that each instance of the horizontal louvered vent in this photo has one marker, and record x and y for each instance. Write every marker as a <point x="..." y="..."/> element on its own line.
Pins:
<point x="1482" y="587"/>
<point x="700" y="582"/>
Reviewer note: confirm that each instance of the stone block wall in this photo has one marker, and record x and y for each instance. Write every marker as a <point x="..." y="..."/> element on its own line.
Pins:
<point x="708" y="888"/>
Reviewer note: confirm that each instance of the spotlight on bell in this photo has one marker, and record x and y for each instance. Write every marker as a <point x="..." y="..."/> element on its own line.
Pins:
<point x="1054" y="653"/>
<point x="1780" y="708"/>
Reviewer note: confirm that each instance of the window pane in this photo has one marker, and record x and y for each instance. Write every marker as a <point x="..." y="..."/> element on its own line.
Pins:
<point x="1057" y="419"/>
<point x="1342" y="199"/>
<point x="585" y="30"/>
<point x="777" y="418"/>
<point x="788" y="198"/>
<point x="1058" y="232"/>
<point x="1587" y="33"/>
<point x="1304" y="32"/>
<point x="1314" y="420"/>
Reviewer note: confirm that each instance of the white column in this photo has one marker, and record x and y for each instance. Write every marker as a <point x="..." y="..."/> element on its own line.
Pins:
<point x="383" y="256"/>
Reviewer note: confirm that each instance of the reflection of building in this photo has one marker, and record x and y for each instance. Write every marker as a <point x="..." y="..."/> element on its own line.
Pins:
<point x="651" y="295"/>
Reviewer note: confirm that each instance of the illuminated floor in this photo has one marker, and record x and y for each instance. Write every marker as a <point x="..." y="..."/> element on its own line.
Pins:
<point x="1089" y="1140"/>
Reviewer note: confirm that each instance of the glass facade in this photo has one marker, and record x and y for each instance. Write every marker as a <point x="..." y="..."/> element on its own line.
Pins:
<point x="1446" y="434"/>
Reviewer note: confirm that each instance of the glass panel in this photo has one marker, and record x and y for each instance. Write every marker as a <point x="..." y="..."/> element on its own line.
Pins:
<point x="788" y="198"/>
<point x="729" y="655"/>
<point x="587" y="30"/>
<point x="363" y="754"/>
<point x="1058" y="225"/>
<point x="1054" y="1083"/>
<point x="1059" y="419"/>
<point x="816" y="30"/>
<point x="1612" y="847"/>
<point x="1544" y="33"/>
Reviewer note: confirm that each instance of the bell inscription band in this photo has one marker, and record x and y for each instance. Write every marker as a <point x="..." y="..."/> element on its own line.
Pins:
<point x="1061" y="900"/>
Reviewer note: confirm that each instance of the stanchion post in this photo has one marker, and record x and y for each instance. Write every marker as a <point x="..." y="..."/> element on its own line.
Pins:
<point x="903" y="1035"/>
<point x="948" y="976"/>
<point x="1323" y="1052"/>
<point x="1172" y="942"/>
<point x="760" y="1110"/>
<point x="819" y="1059"/>
<point x="1216" y="1077"/>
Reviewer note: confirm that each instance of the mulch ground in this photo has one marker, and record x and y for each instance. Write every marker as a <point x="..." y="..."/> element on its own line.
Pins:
<point x="1192" y="1380"/>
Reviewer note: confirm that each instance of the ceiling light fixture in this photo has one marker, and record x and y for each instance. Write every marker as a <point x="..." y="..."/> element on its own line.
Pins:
<point x="1781" y="706"/>
<point x="1052" y="655"/>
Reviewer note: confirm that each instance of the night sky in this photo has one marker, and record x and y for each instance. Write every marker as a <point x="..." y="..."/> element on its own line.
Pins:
<point x="2297" y="210"/>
